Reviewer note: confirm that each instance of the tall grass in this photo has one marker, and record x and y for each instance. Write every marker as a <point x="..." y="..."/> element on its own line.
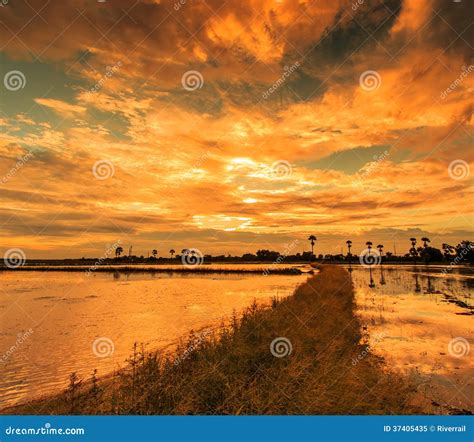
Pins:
<point x="233" y="371"/>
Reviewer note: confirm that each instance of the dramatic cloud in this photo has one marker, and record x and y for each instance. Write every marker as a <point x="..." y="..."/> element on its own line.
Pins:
<point x="230" y="126"/>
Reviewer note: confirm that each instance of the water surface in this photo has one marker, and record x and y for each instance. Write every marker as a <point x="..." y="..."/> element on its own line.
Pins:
<point x="420" y="320"/>
<point x="50" y="320"/>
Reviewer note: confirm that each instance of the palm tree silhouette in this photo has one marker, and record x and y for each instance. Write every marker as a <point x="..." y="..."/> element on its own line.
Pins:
<point x="312" y="238"/>
<point x="154" y="252"/>
<point x="369" y="245"/>
<point x="185" y="252"/>
<point x="448" y="250"/>
<point x="425" y="241"/>
<point x="118" y="252"/>
<point x="380" y="247"/>
<point x="172" y="252"/>
<point x="413" y="251"/>
<point x="349" y="245"/>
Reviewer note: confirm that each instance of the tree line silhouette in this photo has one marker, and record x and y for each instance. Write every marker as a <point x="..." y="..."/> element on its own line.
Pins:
<point x="462" y="252"/>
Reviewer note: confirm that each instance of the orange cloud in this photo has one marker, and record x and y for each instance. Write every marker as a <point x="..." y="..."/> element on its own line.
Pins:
<point x="261" y="151"/>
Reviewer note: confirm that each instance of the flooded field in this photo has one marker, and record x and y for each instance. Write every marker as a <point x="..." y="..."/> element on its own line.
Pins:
<point x="58" y="322"/>
<point x="53" y="323"/>
<point x="420" y="320"/>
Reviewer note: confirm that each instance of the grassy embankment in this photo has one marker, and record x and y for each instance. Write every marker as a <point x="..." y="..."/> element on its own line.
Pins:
<point x="233" y="371"/>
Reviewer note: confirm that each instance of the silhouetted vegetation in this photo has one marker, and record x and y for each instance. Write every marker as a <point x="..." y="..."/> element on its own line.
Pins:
<point x="463" y="253"/>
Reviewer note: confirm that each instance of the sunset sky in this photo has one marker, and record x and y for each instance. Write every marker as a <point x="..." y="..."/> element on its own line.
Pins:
<point x="230" y="126"/>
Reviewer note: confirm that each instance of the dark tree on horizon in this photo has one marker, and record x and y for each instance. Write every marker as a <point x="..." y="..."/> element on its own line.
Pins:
<point x="118" y="251"/>
<point x="313" y="239"/>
